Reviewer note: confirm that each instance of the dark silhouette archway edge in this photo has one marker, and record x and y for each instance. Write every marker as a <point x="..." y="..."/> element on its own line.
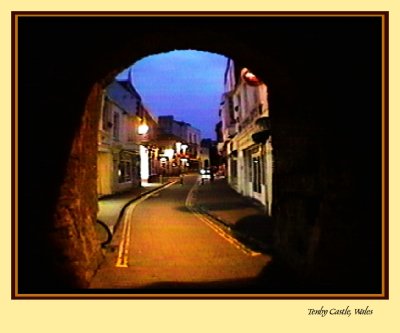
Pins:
<point x="328" y="92"/>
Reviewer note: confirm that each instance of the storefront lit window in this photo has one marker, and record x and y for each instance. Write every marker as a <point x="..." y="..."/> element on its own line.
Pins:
<point x="125" y="171"/>
<point x="257" y="174"/>
<point x="125" y="168"/>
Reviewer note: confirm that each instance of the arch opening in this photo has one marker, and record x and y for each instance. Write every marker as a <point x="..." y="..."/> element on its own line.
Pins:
<point x="311" y="174"/>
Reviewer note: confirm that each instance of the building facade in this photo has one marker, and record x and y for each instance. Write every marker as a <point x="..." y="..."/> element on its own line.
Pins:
<point x="125" y="139"/>
<point x="179" y="145"/>
<point x="244" y="130"/>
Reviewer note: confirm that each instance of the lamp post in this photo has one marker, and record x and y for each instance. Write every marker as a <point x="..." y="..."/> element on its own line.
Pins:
<point x="184" y="160"/>
<point x="178" y="146"/>
<point x="143" y="129"/>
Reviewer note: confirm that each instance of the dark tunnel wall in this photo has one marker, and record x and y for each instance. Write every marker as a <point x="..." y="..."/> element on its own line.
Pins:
<point x="324" y="79"/>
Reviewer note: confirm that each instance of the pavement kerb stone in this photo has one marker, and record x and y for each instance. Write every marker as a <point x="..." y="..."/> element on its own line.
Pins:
<point x="256" y="244"/>
<point x="216" y="219"/>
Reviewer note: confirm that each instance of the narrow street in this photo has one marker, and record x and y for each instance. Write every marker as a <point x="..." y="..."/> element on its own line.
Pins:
<point x="284" y="118"/>
<point x="164" y="243"/>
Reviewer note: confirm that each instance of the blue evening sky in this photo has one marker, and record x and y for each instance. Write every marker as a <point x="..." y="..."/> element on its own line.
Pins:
<point x="186" y="84"/>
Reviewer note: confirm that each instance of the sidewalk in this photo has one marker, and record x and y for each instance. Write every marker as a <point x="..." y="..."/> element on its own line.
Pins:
<point x="111" y="208"/>
<point x="245" y="217"/>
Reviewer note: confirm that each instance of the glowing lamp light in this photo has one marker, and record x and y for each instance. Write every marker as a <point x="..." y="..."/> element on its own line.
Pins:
<point x="184" y="147"/>
<point x="143" y="129"/>
<point x="169" y="153"/>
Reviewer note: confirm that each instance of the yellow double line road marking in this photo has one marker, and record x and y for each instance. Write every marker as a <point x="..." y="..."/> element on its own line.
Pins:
<point x="220" y="231"/>
<point x="123" y="251"/>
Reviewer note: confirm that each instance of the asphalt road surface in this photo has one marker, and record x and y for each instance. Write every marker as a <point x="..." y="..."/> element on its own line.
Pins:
<point x="164" y="244"/>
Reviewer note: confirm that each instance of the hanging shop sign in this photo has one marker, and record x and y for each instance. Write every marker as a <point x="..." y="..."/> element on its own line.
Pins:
<point x="251" y="79"/>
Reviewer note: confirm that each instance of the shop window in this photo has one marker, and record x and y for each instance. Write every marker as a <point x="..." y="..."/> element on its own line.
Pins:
<point x="234" y="168"/>
<point x="125" y="171"/>
<point x="249" y="167"/>
<point x="262" y="167"/>
<point x="256" y="174"/>
<point x="106" y="121"/>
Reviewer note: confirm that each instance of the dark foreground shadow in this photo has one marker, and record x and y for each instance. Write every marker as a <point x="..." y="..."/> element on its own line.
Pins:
<point x="276" y="280"/>
<point x="255" y="231"/>
<point x="273" y="282"/>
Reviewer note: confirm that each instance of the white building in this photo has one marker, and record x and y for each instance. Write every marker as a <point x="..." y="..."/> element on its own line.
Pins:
<point x="245" y="130"/>
<point x="123" y="153"/>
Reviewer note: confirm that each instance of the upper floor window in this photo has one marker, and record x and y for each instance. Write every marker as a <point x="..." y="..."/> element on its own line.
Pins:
<point x="106" y="121"/>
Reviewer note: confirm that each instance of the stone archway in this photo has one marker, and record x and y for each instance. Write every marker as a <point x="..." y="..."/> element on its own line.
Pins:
<point x="59" y="113"/>
<point x="76" y="208"/>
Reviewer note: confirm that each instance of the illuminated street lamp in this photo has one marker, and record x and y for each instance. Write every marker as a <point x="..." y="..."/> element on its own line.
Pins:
<point x="143" y="129"/>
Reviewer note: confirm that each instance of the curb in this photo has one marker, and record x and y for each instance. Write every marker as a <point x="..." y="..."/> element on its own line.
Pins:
<point x="122" y="211"/>
<point x="251" y="241"/>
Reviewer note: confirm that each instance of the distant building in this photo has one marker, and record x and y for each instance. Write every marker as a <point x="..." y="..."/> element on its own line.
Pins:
<point x="205" y="160"/>
<point x="179" y="145"/>
<point x="209" y="152"/>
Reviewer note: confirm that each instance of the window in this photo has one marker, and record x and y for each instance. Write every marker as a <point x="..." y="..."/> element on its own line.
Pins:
<point x="125" y="171"/>
<point x="249" y="167"/>
<point x="106" y="123"/>
<point x="257" y="174"/>
<point x="233" y="168"/>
